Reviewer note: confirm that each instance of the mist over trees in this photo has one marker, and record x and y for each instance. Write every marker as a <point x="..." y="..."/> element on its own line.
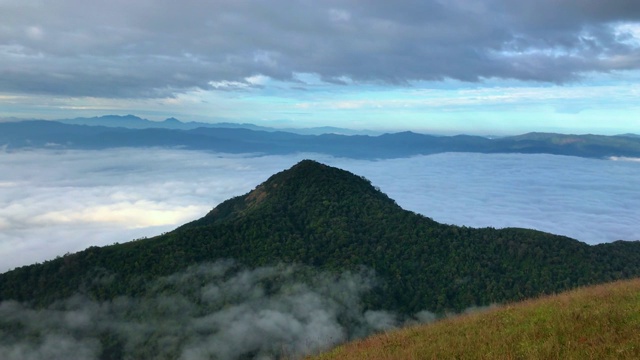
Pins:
<point x="220" y="310"/>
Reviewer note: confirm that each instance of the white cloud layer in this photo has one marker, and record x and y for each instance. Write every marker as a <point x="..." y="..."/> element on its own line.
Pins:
<point x="57" y="202"/>
<point x="590" y="200"/>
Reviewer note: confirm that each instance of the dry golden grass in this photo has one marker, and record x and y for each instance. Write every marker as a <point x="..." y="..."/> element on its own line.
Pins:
<point x="600" y="322"/>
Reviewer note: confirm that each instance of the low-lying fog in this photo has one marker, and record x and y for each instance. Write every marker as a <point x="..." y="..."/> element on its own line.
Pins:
<point x="53" y="202"/>
<point x="217" y="310"/>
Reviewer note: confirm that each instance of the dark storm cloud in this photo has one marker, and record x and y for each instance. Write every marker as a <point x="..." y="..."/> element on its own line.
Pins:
<point x="159" y="48"/>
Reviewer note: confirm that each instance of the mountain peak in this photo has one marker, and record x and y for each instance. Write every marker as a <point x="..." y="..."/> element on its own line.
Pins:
<point x="309" y="165"/>
<point x="172" y="120"/>
<point x="310" y="174"/>
<point x="307" y="184"/>
<point x="121" y="117"/>
<point x="307" y="169"/>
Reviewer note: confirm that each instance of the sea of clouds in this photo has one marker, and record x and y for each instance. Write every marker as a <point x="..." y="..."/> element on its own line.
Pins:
<point x="58" y="201"/>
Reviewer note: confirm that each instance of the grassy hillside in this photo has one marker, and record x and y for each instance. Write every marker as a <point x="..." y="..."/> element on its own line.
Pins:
<point x="599" y="322"/>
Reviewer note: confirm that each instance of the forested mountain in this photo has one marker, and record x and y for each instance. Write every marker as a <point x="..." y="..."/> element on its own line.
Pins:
<point x="50" y="134"/>
<point x="333" y="220"/>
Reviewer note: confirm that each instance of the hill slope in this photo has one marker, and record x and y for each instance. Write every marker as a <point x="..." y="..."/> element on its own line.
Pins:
<point x="599" y="322"/>
<point x="333" y="220"/>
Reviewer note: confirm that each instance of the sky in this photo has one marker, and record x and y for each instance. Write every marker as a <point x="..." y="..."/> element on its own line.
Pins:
<point x="59" y="201"/>
<point x="454" y="66"/>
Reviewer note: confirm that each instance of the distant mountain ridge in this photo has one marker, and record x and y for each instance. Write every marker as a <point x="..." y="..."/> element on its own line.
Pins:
<point x="135" y="122"/>
<point x="238" y="139"/>
<point x="630" y="135"/>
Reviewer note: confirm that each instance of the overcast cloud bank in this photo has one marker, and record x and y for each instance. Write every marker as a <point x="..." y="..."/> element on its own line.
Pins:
<point x="159" y="49"/>
<point x="485" y="66"/>
<point x="55" y="202"/>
